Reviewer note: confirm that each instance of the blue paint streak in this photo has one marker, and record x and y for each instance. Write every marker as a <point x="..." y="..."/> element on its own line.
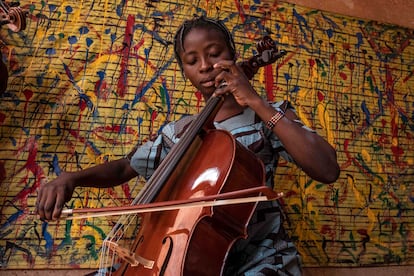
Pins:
<point x="10" y="220"/>
<point x="295" y="89"/>
<point x="83" y="30"/>
<point x="287" y="76"/>
<point x="72" y="39"/>
<point x="48" y="238"/>
<point x="155" y="35"/>
<point x="69" y="9"/>
<point x="366" y="111"/>
<point x="55" y="165"/>
<point x="303" y="24"/>
<point x="330" y="33"/>
<point x="144" y="90"/>
<point x="330" y="21"/>
<point x="360" y="39"/>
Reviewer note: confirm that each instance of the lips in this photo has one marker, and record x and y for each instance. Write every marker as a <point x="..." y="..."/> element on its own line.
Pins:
<point x="207" y="83"/>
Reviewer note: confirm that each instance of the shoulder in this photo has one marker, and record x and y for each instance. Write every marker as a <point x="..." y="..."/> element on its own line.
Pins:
<point x="175" y="129"/>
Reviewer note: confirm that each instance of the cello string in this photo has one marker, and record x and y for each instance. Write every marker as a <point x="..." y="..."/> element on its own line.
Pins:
<point x="107" y="257"/>
<point x="115" y="235"/>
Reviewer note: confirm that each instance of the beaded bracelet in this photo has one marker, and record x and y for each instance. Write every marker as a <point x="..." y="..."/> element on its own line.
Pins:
<point x="275" y="119"/>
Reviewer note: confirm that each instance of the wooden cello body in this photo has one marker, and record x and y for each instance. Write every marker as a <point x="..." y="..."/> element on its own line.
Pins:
<point x="196" y="241"/>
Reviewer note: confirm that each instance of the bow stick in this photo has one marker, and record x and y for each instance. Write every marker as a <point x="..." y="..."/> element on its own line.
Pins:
<point x="206" y="201"/>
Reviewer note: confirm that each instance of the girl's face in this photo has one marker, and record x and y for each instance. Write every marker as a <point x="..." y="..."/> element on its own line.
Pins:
<point x="203" y="47"/>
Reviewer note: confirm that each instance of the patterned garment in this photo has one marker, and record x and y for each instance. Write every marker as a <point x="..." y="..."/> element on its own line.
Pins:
<point x="267" y="250"/>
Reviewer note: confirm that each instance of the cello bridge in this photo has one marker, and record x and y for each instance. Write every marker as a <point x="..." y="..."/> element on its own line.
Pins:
<point x="129" y="256"/>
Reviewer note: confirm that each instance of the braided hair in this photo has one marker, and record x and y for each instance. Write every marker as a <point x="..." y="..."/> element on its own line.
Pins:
<point x="201" y="22"/>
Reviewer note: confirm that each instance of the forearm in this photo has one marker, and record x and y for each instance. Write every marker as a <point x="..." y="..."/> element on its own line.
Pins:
<point x="311" y="152"/>
<point x="104" y="175"/>
<point x="53" y="195"/>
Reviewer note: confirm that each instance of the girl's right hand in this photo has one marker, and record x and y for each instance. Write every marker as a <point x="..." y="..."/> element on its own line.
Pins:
<point x="53" y="195"/>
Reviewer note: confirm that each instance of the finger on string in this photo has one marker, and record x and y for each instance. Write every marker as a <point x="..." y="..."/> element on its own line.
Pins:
<point x="223" y="84"/>
<point x="226" y="65"/>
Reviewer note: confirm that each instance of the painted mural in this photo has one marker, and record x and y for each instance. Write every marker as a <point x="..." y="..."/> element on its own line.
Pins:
<point x="91" y="79"/>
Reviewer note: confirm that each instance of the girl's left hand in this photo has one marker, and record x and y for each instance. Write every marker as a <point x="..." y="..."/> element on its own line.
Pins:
<point x="232" y="80"/>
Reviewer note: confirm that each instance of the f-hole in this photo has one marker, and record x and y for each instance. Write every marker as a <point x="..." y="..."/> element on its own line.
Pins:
<point x="168" y="256"/>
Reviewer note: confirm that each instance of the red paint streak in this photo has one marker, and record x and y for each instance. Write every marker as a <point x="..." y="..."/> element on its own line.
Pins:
<point x="396" y="150"/>
<point x="125" y="199"/>
<point x="101" y="89"/>
<point x="362" y="232"/>
<point x="383" y="123"/>
<point x="383" y="140"/>
<point x="347" y="154"/>
<point x="408" y="77"/>
<point x="28" y="94"/>
<point x="321" y="96"/>
<point x="82" y="104"/>
<point x="154" y="115"/>
<point x="346" y="46"/>
<point x="126" y="190"/>
<point x="139" y="44"/>
<point x="326" y="229"/>
<point x="333" y="57"/>
<point x="269" y="82"/>
<point x="239" y="9"/>
<point x="199" y="97"/>
<point x="123" y="79"/>
<point x="30" y="166"/>
<point x="114" y="129"/>
<point x="111" y="51"/>
<point x="343" y="75"/>
<point x="311" y="63"/>
<point x="3" y="173"/>
<point x="398" y="153"/>
<point x="2" y="117"/>
<point x="75" y="134"/>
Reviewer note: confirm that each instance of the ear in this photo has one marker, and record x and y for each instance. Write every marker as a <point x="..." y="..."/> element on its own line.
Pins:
<point x="236" y="56"/>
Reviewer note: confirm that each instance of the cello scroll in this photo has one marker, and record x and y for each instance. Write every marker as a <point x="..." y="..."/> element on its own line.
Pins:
<point x="268" y="53"/>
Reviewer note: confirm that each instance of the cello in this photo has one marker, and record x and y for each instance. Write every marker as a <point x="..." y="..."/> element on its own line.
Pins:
<point x="206" y="162"/>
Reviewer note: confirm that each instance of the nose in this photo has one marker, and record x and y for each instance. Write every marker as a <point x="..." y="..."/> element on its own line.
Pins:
<point x="206" y="64"/>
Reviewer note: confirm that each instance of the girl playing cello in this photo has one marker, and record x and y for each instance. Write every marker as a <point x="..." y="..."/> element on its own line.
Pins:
<point x="206" y="53"/>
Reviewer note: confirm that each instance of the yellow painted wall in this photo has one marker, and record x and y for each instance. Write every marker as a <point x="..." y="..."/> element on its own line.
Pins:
<point x="90" y="79"/>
